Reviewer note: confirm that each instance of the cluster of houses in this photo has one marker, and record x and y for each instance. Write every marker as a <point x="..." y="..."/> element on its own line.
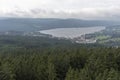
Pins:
<point x="84" y="39"/>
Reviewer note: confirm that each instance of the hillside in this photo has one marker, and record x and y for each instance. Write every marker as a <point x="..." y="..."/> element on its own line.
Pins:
<point x="31" y="24"/>
<point x="36" y="58"/>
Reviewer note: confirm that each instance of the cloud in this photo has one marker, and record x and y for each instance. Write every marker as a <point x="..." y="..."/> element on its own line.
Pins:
<point x="82" y="9"/>
<point x="83" y="13"/>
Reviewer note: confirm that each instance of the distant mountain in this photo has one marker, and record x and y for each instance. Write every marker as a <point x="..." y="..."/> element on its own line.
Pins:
<point x="31" y="24"/>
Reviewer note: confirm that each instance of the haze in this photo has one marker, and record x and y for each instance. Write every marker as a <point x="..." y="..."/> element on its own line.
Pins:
<point x="82" y="9"/>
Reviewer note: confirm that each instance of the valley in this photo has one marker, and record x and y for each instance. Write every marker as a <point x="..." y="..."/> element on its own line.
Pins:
<point x="74" y="30"/>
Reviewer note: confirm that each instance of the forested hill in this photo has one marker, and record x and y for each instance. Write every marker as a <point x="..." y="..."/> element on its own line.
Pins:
<point x="32" y="24"/>
<point x="35" y="58"/>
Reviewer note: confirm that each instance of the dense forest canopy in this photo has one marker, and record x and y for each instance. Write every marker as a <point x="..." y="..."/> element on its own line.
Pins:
<point x="59" y="39"/>
<point x="36" y="58"/>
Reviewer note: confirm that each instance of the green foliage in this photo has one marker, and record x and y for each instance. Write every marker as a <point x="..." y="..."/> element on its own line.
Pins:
<point x="62" y="61"/>
<point x="72" y="74"/>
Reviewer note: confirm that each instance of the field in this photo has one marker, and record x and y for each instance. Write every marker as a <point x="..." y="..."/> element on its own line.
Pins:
<point x="110" y="36"/>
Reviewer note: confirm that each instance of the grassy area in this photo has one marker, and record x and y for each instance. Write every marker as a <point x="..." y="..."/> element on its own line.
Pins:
<point x="102" y="37"/>
<point x="108" y="40"/>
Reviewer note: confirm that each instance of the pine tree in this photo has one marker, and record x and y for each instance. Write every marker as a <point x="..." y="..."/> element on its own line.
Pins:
<point x="51" y="72"/>
<point x="72" y="74"/>
<point x="113" y="75"/>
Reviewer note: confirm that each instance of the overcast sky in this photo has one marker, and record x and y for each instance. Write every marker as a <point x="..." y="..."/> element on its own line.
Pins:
<point x="82" y="9"/>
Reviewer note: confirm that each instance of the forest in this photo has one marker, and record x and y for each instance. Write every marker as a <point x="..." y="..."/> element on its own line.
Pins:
<point x="42" y="58"/>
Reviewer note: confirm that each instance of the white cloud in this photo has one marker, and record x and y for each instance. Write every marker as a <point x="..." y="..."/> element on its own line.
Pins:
<point x="84" y="9"/>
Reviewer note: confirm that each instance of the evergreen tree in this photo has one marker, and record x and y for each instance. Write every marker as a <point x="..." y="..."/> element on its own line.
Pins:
<point x="51" y="72"/>
<point x="72" y="74"/>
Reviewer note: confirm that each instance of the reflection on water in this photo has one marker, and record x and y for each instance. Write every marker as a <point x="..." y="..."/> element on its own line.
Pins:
<point x="72" y="32"/>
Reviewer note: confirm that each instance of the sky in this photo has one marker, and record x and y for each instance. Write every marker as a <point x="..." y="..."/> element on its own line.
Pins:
<point x="81" y="9"/>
